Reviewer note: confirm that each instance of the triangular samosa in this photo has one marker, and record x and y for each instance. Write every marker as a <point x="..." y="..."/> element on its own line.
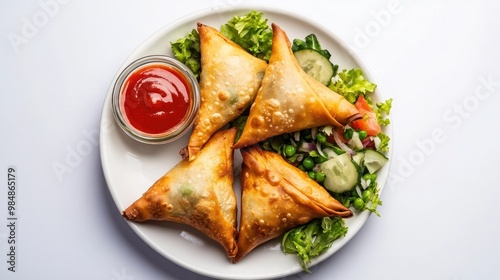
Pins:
<point x="229" y="80"/>
<point x="276" y="197"/>
<point x="198" y="193"/>
<point x="290" y="100"/>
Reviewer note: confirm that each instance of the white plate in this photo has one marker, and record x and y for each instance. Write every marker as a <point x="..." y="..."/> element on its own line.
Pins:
<point x="130" y="168"/>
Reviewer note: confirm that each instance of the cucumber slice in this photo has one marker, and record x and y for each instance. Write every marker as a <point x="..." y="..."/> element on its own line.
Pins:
<point x="341" y="173"/>
<point x="358" y="158"/>
<point x="374" y="160"/>
<point x="315" y="65"/>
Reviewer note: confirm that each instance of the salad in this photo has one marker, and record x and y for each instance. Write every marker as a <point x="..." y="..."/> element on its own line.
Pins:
<point x="344" y="160"/>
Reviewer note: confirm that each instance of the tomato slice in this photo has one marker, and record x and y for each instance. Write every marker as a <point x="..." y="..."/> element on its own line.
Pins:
<point x="362" y="104"/>
<point x="369" y="121"/>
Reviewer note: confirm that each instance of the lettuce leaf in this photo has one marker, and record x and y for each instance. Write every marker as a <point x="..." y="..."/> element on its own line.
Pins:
<point x="251" y="32"/>
<point x="187" y="51"/>
<point x="384" y="142"/>
<point x="351" y="83"/>
<point x="382" y="110"/>
<point x="239" y="122"/>
<point x="312" y="239"/>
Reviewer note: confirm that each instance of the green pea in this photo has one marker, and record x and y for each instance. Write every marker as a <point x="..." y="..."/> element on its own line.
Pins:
<point x="358" y="203"/>
<point x="366" y="194"/>
<point x="308" y="163"/>
<point x="362" y="134"/>
<point x="320" y="177"/>
<point x="369" y="176"/>
<point x="312" y="174"/>
<point x="348" y="133"/>
<point x="290" y="150"/>
<point x="321" y="138"/>
<point x="301" y="167"/>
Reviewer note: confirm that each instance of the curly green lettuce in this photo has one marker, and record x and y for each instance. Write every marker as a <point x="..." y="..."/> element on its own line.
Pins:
<point x="352" y="83"/>
<point x="252" y="32"/>
<point x="312" y="239"/>
<point x="384" y="142"/>
<point x="187" y="51"/>
<point x="382" y="110"/>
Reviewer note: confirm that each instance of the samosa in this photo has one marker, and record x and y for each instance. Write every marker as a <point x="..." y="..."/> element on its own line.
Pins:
<point x="229" y="80"/>
<point x="198" y="193"/>
<point x="290" y="100"/>
<point x="277" y="197"/>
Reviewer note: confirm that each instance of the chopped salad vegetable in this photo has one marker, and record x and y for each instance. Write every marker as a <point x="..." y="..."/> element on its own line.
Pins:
<point x="310" y="42"/>
<point x="252" y="32"/>
<point x="187" y="51"/>
<point x="312" y="239"/>
<point x="351" y="83"/>
<point x="369" y="122"/>
<point x="314" y="60"/>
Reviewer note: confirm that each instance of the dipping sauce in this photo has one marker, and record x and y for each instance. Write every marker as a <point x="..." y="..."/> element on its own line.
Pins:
<point x="156" y="98"/>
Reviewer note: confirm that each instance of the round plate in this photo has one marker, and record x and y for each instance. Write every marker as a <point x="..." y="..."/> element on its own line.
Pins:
<point x="130" y="167"/>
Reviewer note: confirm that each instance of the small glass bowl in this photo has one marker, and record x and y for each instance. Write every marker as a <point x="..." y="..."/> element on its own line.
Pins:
<point x="176" y="131"/>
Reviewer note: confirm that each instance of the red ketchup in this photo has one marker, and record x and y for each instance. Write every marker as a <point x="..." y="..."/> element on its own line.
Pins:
<point x="156" y="98"/>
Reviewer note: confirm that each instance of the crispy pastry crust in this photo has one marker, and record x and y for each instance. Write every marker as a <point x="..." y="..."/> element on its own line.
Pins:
<point x="229" y="81"/>
<point x="198" y="193"/>
<point x="290" y="100"/>
<point x="276" y="197"/>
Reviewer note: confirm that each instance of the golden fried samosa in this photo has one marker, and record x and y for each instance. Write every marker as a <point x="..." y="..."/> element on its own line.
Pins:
<point x="276" y="197"/>
<point x="198" y="193"/>
<point x="229" y="80"/>
<point x="290" y="100"/>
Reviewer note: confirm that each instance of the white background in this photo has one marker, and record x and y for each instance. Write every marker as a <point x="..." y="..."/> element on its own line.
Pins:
<point x="438" y="60"/>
